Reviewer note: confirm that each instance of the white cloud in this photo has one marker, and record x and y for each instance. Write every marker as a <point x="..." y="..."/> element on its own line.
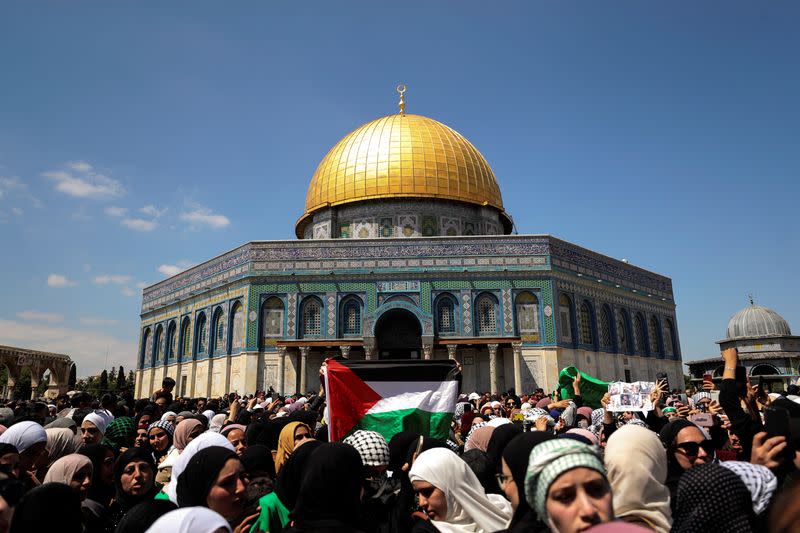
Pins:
<point x="79" y="166"/>
<point x="79" y="180"/>
<point x="90" y="321"/>
<point x="57" y="280"/>
<point x="17" y="211"/>
<point x="152" y="211"/>
<point x="141" y="285"/>
<point x="114" y="211"/>
<point x="127" y="291"/>
<point x="13" y="187"/>
<point x="40" y="316"/>
<point x="139" y="224"/>
<point x="201" y="216"/>
<point x="172" y="270"/>
<point x="90" y="349"/>
<point x="105" y="279"/>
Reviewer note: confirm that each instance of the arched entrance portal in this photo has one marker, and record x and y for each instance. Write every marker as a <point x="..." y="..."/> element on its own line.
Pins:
<point x="398" y="335"/>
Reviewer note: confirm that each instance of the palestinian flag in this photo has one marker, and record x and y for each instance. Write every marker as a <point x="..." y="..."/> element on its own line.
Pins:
<point x="391" y="396"/>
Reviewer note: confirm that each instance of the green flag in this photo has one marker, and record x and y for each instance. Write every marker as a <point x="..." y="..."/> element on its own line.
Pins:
<point x="592" y="389"/>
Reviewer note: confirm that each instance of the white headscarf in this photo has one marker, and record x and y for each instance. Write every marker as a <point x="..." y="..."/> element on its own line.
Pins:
<point x="189" y="520"/>
<point x="637" y="469"/>
<point x="168" y="414"/>
<point x="99" y="422"/>
<point x="216" y="421"/>
<point x="469" y="509"/>
<point x="499" y="421"/>
<point x="203" y="441"/>
<point x="23" y="435"/>
<point x="209" y="414"/>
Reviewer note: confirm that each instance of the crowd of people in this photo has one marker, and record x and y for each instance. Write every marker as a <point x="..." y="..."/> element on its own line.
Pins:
<point x="512" y="463"/>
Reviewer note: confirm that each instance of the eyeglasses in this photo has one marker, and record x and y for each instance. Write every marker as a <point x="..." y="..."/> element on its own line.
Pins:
<point x="693" y="448"/>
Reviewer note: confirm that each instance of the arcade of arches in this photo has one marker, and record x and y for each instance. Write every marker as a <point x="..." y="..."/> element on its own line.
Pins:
<point x="17" y="360"/>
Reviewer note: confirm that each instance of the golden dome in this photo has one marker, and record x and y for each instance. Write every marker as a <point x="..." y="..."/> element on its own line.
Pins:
<point x="403" y="156"/>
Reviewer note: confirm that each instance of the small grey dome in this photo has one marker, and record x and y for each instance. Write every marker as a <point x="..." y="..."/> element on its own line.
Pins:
<point x="757" y="321"/>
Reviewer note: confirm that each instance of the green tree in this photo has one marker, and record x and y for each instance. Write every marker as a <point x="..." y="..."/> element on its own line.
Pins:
<point x="103" y="380"/>
<point x="121" y="382"/>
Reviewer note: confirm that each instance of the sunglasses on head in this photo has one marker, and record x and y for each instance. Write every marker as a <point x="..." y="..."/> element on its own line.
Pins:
<point x="693" y="448"/>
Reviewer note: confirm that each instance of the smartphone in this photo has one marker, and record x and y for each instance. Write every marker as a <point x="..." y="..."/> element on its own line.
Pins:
<point x="777" y="424"/>
<point x="707" y="378"/>
<point x="741" y="381"/>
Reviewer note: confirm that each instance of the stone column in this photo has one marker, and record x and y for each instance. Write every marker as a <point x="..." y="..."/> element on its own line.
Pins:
<point x="303" y="367"/>
<point x="517" y="347"/>
<point x="369" y="349"/>
<point x="345" y="351"/>
<point x="34" y="386"/>
<point x="493" y="385"/>
<point x="452" y="352"/>
<point x="427" y="349"/>
<point x="281" y="368"/>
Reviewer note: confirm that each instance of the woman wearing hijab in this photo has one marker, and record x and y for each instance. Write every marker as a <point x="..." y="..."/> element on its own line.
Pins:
<point x="498" y="440"/>
<point x="215" y="478"/>
<point x="160" y="436"/>
<point x="93" y="428"/>
<point x="184" y="433"/>
<point x="637" y="469"/>
<point x="203" y="441"/>
<point x="215" y="421"/>
<point x="276" y="505"/>
<point x="134" y="482"/>
<point x="290" y="435"/>
<point x="49" y="507"/>
<point x="452" y="497"/>
<point x="513" y="467"/>
<point x="478" y="439"/>
<point x="63" y="422"/>
<point x="60" y="442"/>
<point x="120" y="434"/>
<point x="687" y="446"/>
<point x="712" y="497"/>
<point x="101" y="491"/>
<point x="30" y="440"/>
<point x="235" y="435"/>
<point x="566" y="486"/>
<point x="75" y="471"/>
<point x="9" y="460"/>
<point x="334" y="470"/>
<point x="190" y="520"/>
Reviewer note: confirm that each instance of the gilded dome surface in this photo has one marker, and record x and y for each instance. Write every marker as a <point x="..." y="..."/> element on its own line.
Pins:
<point x="403" y="156"/>
<point x="757" y="321"/>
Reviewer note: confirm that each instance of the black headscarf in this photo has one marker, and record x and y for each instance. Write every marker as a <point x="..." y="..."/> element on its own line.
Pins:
<point x="258" y="458"/>
<point x="500" y="438"/>
<point x="97" y="453"/>
<point x="287" y="486"/>
<point x="124" y="500"/>
<point x="668" y="435"/>
<point x="143" y="515"/>
<point x="482" y="467"/>
<point x="712" y="498"/>
<point x="331" y="490"/>
<point x="200" y="475"/>
<point x="398" y="447"/>
<point x="48" y="507"/>
<point x="516" y="456"/>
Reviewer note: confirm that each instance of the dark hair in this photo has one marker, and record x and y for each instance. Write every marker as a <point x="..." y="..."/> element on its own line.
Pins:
<point x="167" y="382"/>
<point x="79" y="414"/>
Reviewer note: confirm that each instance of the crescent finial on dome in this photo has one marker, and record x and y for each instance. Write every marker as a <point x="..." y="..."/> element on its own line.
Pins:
<point x="401" y="90"/>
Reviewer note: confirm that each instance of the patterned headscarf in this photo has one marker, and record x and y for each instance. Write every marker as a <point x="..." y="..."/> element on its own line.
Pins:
<point x="548" y="461"/>
<point x="118" y="431"/>
<point x="758" y="479"/>
<point x="166" y="426"/>
<point x="371" y="446"/>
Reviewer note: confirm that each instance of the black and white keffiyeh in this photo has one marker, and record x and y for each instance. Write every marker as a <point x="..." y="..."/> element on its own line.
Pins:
<point x="758" y="479"/>
<point x="371" y="446"/>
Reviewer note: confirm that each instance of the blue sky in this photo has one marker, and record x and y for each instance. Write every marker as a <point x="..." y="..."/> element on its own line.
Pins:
<point x="137" y="139"/>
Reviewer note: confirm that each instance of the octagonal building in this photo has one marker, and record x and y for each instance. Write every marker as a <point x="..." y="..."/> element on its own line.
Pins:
<point x="405" y="251"/>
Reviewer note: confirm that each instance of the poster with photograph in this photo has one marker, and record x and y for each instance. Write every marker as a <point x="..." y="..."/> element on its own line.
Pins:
<point x="630" y="396"/>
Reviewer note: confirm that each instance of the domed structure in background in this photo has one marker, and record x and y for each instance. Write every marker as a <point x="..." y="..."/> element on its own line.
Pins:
<point x="757" y="321"/>
<point x="395" y="177"/>
<point x="766" y="348"/>
<point x="405" y="251"/>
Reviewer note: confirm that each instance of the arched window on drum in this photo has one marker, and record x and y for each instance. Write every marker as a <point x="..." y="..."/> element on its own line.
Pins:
<point x="237" y="328"/>
<point x="218" y="331"/>
<point x="446" y="322"/>
<point x="311" y="315"/>
<point x="351" y="316"/>
<point x="486" y="315"/>
<point x="565" y="318"/>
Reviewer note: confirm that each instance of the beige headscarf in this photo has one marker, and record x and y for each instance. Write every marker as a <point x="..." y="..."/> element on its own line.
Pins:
<point x="63" y="470"/>
<point x="637" y="468"/>
<point x="60" y="442"/>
